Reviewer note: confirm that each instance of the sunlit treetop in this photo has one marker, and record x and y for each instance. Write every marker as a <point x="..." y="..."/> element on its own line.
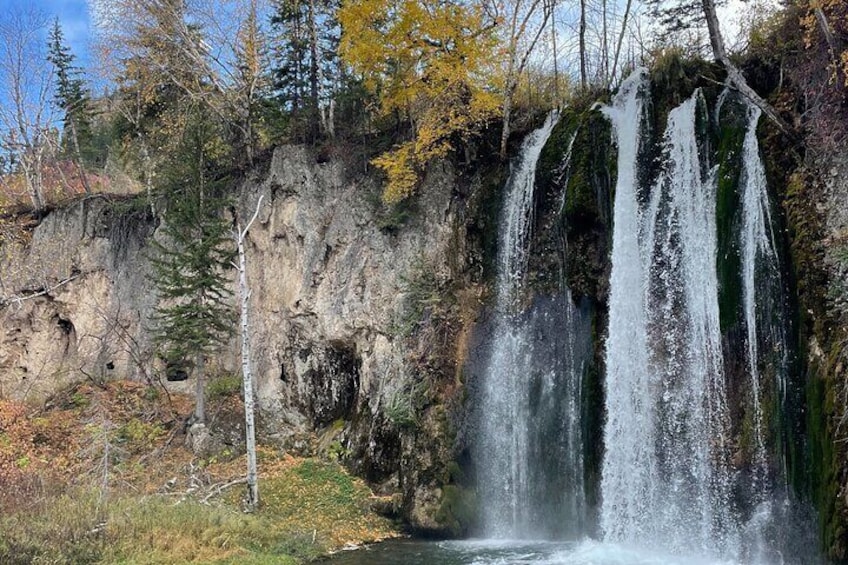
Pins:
<point x="429" y="62"/>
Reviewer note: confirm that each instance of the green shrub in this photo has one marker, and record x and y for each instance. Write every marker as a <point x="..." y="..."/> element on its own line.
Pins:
<point x="404" y="406"/>
<point x="139" y="435"/>
<point x="224" y="387"/>
<point x="400" y="410"/>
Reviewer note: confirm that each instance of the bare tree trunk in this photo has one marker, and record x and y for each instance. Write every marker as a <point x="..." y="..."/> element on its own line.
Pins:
<point x="250" y="75"/>
<point x="78" y="156"/>
<point x="620" y="42"/>
<point x="297" y="93"/>
<point x="733" y="73"/>
<point x="516" y="65"/>
<point x="249" y="427"/>
<point x="314" y="118"/>
<point x="507" y="114"/>
<point x="331" y="119"/>
<point x="200" y="390"/>
<point x="35" y="196"/>
<point x="827" y="31"/>
<point x="33" y="183"/>
<point x="148" y="173"/>
<point x="248" y="145"/>
<point x="604" y="42"/>
<point x="554" y="47"/>
<point x="583" y="44"/>
<point x="25" y="87"/>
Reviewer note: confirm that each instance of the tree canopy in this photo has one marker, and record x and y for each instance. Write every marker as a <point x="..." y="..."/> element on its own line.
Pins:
<point x="431" y="63"/>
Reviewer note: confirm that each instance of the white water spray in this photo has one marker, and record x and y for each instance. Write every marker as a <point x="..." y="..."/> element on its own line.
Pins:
<point x="665" y="478"/>
<point x="504" y="466"/>
<point x="531" y="436"/>
<point x="758" y="252"/>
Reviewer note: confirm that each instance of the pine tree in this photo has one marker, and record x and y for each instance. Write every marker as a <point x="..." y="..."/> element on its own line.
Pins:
<point x="73" y="100"/>
<point x="307" y="35"/>
<point x="194" y="316"/>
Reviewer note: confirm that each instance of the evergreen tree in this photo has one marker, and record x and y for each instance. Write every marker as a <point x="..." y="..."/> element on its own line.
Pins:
<point x="194" y="316"/>
<point x="72" y="98"/>
<point x="251" y="81"/>
<point x="307" y="35"/>
<point x="290" y="75"/>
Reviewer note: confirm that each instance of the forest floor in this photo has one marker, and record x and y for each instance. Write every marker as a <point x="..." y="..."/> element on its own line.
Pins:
<point x="100" y="474"/>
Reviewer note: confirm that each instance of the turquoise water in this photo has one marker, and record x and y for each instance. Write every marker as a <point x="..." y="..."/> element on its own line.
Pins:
<point x="500" y="552"/>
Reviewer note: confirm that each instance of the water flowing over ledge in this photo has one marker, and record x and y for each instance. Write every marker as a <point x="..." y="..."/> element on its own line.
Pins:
<point x="530" y="442"/>
<point x="690" y="464"/>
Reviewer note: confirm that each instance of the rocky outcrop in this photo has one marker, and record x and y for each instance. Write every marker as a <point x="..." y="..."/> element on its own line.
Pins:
<point x="75" y="300"/>
<point x="331" y="292"/>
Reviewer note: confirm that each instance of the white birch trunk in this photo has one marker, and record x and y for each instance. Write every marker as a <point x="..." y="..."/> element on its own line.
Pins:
<point x="249" y="426"/>
<point x="200" y="390"/>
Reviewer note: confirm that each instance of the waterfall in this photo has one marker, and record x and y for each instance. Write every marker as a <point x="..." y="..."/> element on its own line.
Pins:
<point x="766" y="350"/>
<point x="629" y="471"/>
<point x="665" y="477"/>
<point x="757" y="246"/>
<point x="693" y="399"/>
<point x="516" y="217"/>
<point x="755" y="241"/>
<point x="530" y="461"/>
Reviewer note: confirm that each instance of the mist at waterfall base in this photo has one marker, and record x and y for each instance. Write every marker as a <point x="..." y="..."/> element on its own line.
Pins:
<point x="529" y="449"/>
<point x="671" y="490"/>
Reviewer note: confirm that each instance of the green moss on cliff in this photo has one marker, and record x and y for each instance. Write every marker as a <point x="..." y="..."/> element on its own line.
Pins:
<point x="816" y="460"/>
<point x="457" y="510"/>
<point x="674" y="77"/>
<point x="575" y="180"/>
<point x="731" y="135"/>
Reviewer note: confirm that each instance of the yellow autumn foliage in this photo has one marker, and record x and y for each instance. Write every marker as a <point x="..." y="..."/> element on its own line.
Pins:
<point x="428" y="61"/>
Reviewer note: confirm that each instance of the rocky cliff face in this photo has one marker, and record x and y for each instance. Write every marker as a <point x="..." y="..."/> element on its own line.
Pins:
<point x="818" y="212"/>
<point x="337" y="326"/>
<point x="75" y="300"/>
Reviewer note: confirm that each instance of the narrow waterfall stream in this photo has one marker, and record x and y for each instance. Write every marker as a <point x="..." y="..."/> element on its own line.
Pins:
<point x="763" y="301"/>
<point x="530" y="444"/>
<point x="757" y="243"/>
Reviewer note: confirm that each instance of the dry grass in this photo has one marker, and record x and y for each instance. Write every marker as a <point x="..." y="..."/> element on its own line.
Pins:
<point x="101" y="476"/>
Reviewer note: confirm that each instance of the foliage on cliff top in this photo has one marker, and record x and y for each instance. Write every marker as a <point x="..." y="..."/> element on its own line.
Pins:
<point x="427" y="61"/>
<point x="147" y="499"/>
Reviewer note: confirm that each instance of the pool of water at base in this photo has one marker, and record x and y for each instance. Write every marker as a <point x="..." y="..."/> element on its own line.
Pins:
<point x="503" y="552"/>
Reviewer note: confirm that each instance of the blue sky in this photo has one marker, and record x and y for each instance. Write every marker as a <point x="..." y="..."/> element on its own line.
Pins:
<point x="72" y="14"/>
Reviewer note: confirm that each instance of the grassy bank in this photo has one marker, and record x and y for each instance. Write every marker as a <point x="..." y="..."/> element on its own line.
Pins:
<point x="101" y="476"/>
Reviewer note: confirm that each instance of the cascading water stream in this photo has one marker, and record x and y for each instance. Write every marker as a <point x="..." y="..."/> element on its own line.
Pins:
<point x="628" y="469"/>
<point x="516" y="217"/>
<point x="530" y="460"/>
<point x="678" y="474"/>
<point x="664" y="477"/>
<point x="766" y="350"/>
<point x="758" y="247"/>
<point x="688" y="468"/>
<point x="504" y="483"/>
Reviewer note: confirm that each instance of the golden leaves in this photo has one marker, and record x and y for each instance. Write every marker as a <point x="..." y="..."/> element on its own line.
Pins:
<point x="428" y="61"/>
<point x="400" y="168"/>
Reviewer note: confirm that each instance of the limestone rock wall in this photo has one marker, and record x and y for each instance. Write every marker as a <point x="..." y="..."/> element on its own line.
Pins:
<point x="75" y="299"/>
<point x="328" y="285"/>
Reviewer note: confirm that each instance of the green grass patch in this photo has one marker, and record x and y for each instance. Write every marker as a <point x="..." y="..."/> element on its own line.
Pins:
<point x="224" y="387"/>
<point x="308" y="508"/>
